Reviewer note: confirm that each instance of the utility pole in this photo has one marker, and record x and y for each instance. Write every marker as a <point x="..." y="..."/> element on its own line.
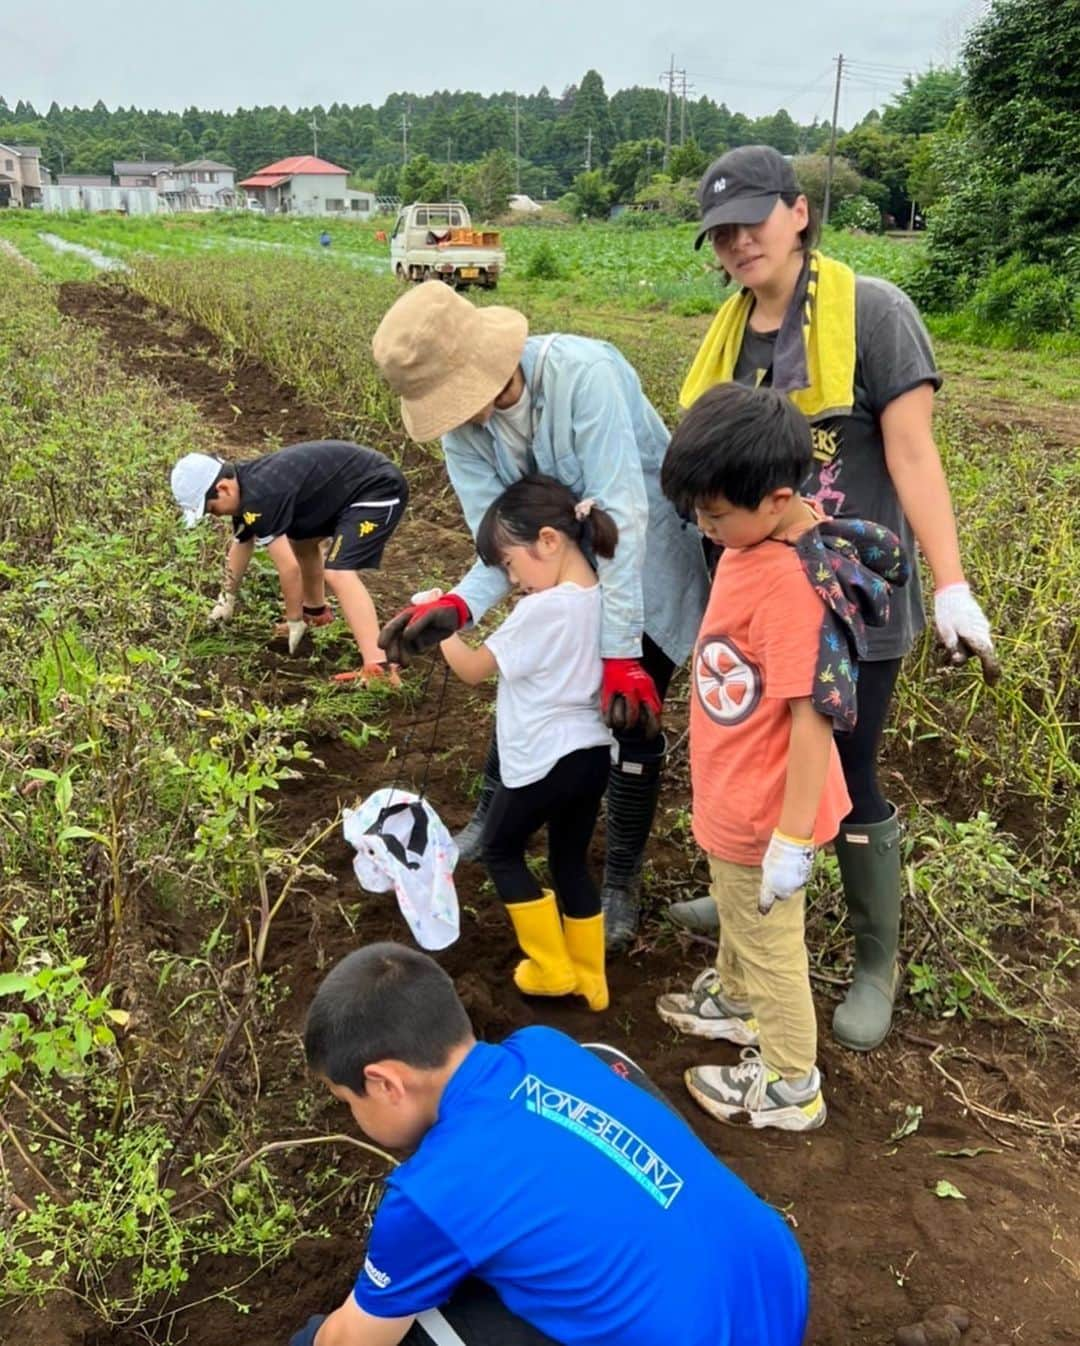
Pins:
<point x="682" y="111"/>
<point x="449" y="195"/>
<point x="404" y="137"/>
<point x="314" y="124"/>
<point x="588" y="149"/>
<point x="670" y="76"/>
<point x="832" y="139"/>
<point x="517" y="146"/>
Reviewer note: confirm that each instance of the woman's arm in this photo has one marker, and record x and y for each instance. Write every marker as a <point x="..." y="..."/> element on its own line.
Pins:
<point x="916" y="471"/>
<point x="915" y="468"/>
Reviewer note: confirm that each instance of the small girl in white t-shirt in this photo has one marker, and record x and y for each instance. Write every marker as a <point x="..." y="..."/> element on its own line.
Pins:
<point x="554" y="748"/>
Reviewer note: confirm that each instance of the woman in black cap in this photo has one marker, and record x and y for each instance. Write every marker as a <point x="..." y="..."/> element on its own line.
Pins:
<point x="852" y="353"/>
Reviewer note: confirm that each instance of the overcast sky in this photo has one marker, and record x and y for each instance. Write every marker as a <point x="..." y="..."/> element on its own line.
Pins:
<point x="756" y="56"/>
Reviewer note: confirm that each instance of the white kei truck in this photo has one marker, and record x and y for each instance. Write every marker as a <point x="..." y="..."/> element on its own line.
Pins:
<point x="436" y="241"/>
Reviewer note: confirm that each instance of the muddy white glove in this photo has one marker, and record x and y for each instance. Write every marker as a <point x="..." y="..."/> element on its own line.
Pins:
<point x="963" y="628"/>
<point x="224" y="608"/>
<point x="297" y="631"/>
<point x="784" y="870"/>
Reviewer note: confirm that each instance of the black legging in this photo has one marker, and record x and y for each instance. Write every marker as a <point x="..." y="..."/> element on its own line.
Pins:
<point x="568" y="800"/>
<point x="859" y="749"/>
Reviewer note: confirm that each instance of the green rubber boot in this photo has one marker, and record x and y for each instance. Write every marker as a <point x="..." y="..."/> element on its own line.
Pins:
<point x="869" y="856"/>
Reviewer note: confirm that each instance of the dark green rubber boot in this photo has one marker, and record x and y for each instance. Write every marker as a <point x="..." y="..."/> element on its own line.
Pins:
<point x="632" y="794"/>
<point x="470" y="840"/>
<point x="869" y="855"/>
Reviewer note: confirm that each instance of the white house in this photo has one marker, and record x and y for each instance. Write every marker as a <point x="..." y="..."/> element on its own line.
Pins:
<point x="306" y="185"/>
<point x="202" y="184"/>
<point x="141" y="173"/>
<point x="21" y="175"/>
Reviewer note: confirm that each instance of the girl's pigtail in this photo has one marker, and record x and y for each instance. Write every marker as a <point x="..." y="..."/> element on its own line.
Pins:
<point x="601" y="532"/>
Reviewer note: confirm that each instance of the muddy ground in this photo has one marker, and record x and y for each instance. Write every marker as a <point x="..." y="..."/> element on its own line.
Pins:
<point x="882" y="1247"/>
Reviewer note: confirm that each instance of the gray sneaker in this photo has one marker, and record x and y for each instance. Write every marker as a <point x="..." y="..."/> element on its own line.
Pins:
<point x="705" y="1012"/>
<point x="752" y="1094"/>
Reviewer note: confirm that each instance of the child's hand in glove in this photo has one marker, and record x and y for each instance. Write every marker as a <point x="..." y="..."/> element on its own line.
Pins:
<point x="785" y="869"/>
<point x="224" y="608"/>
<point x="296" y="632"/>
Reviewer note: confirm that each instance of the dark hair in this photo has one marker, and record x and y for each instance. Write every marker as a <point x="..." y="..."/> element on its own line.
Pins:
<point x="538" y="501"/>
<point x="739" y="443"/>
<point x="226" y="473"/>
<point x="383" y="1002"/>
<point x="808" y="234"/>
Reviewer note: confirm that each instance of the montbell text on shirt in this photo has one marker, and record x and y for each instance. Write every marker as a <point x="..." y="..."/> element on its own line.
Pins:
<point x="597" y="433"/>
<point x="588" y="1205"/>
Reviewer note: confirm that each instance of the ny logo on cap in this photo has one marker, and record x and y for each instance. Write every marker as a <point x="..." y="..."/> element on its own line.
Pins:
<point x="719" y="185"/>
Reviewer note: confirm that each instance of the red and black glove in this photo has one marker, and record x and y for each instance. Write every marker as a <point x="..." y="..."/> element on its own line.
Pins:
<point x="628" y="697"/>
<point x="421" y="625"/>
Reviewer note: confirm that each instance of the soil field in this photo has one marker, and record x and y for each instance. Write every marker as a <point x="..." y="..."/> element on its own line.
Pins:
<point x="883" y="1248"/>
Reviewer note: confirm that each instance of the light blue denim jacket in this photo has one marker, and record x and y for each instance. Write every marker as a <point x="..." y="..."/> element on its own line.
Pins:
<point x="594" y="430"/>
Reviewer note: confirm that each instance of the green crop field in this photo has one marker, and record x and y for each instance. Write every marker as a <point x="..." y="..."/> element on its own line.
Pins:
<point x="170" y="795"/>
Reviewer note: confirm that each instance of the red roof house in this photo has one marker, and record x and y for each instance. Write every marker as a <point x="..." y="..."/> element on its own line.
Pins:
<point x="305" y="185"/>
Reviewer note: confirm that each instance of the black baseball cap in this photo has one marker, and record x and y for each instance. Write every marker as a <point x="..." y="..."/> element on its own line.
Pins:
<point x="742" y="186"/>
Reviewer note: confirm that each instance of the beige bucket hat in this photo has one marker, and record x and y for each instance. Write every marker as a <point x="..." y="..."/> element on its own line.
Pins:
<point x="445" y="358"/>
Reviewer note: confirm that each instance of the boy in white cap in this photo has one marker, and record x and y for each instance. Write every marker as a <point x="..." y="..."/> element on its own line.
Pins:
<point x="291" y="502"/>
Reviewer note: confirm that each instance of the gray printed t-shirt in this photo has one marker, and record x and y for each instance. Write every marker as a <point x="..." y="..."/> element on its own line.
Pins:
<point x="849" y="476"/>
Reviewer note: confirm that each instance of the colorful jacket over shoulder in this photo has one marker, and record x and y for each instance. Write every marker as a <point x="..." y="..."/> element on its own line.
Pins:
<point x="852" y="566"/>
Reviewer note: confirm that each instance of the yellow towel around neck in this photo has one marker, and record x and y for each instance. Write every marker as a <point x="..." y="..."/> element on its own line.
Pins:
<point x="825" y="297"/>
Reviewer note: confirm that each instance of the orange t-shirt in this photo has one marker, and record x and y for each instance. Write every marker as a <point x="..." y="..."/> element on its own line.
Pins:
<point x="757" y="650"/>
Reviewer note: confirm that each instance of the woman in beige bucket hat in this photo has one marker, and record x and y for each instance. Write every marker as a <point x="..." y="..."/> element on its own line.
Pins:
<point x="505" y="404"/>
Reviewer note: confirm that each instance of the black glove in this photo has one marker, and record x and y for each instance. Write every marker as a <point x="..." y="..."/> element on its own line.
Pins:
<point x="421" y="625"/>
<point x="306" y="1335"/>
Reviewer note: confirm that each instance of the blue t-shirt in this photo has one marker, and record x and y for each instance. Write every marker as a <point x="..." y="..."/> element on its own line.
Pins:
<point x="591" y="1208"/>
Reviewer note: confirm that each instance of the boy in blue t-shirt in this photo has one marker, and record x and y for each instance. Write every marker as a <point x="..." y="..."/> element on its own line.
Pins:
<point x="545" y="1198"/>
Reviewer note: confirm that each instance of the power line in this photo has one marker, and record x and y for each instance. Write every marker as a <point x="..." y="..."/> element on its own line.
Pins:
<point x="686" y="88"/>
<point x="517" y="145"/>
<point x="880" y="65"/>
<point x="832" y="137"/>
<point x="667" y="121"/>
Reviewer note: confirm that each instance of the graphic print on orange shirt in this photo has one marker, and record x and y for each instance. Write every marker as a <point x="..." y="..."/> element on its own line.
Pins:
<point x="727" y="683"/>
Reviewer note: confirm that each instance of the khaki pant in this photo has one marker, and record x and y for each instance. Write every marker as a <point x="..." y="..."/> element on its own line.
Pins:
<point x="763" y="961"/>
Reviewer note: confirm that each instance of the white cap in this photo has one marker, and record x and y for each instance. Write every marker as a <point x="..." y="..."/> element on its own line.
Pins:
<point x="191" y="479"/>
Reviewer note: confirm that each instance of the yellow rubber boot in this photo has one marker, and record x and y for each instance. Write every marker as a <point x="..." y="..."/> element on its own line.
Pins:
<point x="547" y="970"/>
<point x="585" y="945"/>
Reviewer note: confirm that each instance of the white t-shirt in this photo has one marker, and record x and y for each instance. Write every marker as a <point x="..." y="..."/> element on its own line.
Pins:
<point x="513" y="425"/>
<point x="548" y="701"/>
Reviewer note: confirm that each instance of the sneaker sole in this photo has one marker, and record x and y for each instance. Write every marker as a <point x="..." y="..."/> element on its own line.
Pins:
<point x="715" y="1030"/>
<point x="792" y="1118"/>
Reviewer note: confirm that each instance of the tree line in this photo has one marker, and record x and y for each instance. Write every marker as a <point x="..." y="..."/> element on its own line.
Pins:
<point x="555" y="138"/>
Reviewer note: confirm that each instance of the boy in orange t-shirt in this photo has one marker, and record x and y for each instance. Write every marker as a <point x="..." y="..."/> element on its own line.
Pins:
<point x="767" y="784"/>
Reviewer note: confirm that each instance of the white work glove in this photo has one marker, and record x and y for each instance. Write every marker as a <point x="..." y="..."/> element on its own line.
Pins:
<point x="297" y="631"/>
<point x="784" y="870"/>
<point x="963" y="629"/>
<point x="224" y="608"/>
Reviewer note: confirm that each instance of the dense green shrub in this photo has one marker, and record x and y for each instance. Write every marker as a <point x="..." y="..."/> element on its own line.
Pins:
<point x="858" y="212"/>
<point x="1030" y="298"/>
<point x="544" y="264"/>
<point x="1010" y="158"/>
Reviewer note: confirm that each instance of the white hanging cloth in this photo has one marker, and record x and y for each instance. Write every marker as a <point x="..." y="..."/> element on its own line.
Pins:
<point x="401" y="843"/>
